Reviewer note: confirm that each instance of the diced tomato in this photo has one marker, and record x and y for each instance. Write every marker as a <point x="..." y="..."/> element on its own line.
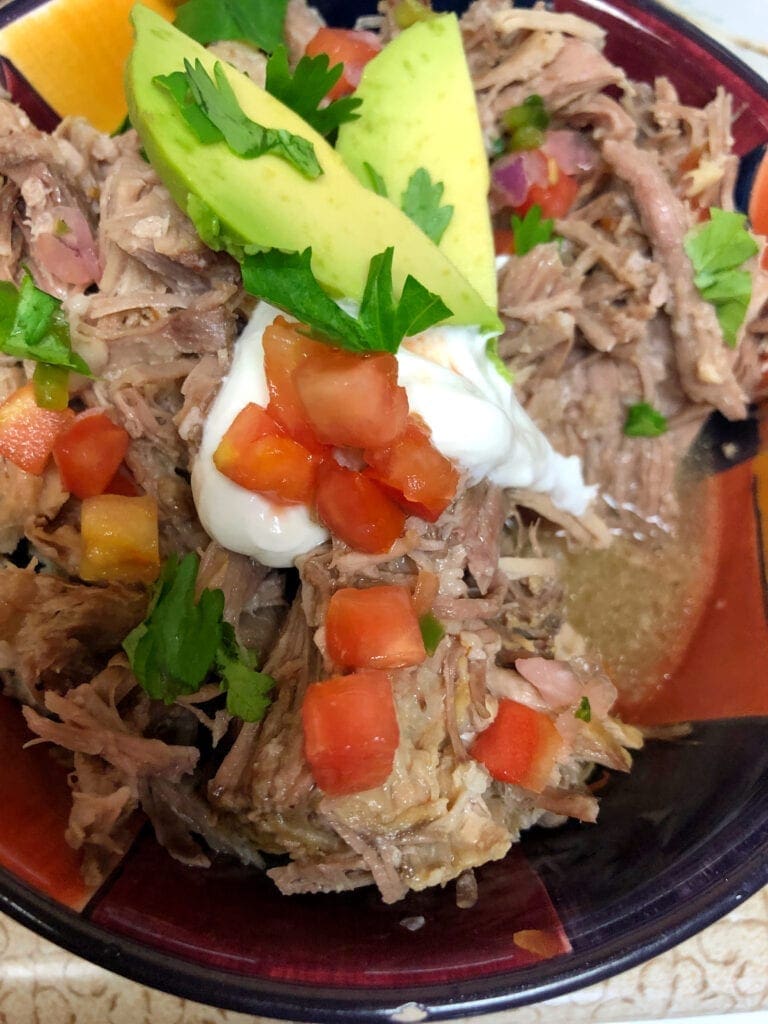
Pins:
<point x="285" y="349"/>
<point x="352" y="400"/>
<point x="256" y="454"/>
<point x="504" y="241"/>
<point x="344" y="46"/>
<point x="27" y="432"/>
<point x="373" y="628"/>
<point x="120" y="539"/>
<point x="424" y="480"/>
<point x="555" y="198"/>
<point x="521" y="745"/>
<point x="357" y="510"/>
<point x="88" y="453"/>
<point x="758" y="206"/>
<point x="350" y="732"/>
<point x="123" y="482"/>
<point x="425" y="591"/>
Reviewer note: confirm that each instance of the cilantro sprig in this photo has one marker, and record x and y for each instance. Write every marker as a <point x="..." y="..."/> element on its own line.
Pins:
<point x="304" y="90"/>
<point x="717" y="250"/>
<point x="210" y="108"/>
<point x="286" y="280"/>
<point x="421" y="202"/>
<point x="183" y="641"/>
<point x="530" y="230"/>
<point x="33" y="326"/>
<point x="210" y="21"/>
<point x="645" y="421"/>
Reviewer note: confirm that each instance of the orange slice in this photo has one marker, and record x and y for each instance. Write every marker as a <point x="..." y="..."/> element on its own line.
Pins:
<point x="73" y="52"/>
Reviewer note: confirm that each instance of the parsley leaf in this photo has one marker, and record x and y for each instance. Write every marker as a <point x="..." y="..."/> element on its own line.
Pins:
<point x="182" y="640"/>
<point x="644" y="421"/>
<point x="421" y="202"/>
<point x="304" y="90"/>
<point x="717" y="250"/>
<point x="32" y="326"/>
<point x="212" y="112"/>
<point x="377" y="183"/>
<point x="286" y="280"/>
<point x="584" y="710"/>
<point x="492" y="351"/>
<point x="211" y="21"/>
<point x="531" y="230"/>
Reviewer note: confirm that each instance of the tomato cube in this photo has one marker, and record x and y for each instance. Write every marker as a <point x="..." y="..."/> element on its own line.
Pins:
<point x="346" y="46"/>
<point x="256" y="454"/>
<point x="89" y="452"/>
<point x="28" y="432"/>
<point x="120" y="539"/>
<point x="350" y="732"/>
<point x="423" y="480"/>
<point x="352" y="400"/>
<point x="521" y="745"/>
<point x="285" y="349"/>
<point x="356" y="509"/>
<point x="373" y="628"/>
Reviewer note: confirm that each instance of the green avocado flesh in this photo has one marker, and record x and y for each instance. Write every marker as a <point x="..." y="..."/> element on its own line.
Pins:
<point x="419" y="110"/>
<point x="266" y="203"/>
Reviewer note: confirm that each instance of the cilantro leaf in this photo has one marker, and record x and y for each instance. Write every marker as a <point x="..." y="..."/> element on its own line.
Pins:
<point x="213" y="114"/>
<point x="492" y="351"/>
<point x="644" y="421"/>
<point x="377" y="183"/>
<point x="304" y="90"/>
<point x="211" y="21"/>
<point x="247" y="689"/>
<point x="32" y="326"/>
<point x="183" y="640"/>
<point x="286" y="280"/>
<point x="584" y="710"/>
<point x="421" y="202"/>
<point x="717" y="250"/>
<point x="531" y="230"/>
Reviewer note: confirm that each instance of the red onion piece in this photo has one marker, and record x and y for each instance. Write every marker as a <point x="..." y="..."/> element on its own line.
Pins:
<point x="513" y="175"/>
<point x="571" y="150"/>
<point x="71" y="256"/>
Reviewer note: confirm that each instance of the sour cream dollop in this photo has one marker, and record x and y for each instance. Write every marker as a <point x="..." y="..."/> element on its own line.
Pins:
<point x="472" y="412"/>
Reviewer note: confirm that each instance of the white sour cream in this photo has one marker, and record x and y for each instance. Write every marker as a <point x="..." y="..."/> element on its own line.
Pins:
<point x="472" y="412"/>
<point x="239" y="519"/>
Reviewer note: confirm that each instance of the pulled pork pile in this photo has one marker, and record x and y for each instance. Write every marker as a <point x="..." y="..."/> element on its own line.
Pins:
<point x="608" y="317"/>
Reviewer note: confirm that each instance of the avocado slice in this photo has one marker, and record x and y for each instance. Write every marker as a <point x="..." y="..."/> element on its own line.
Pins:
<point x="419" y="110"/>
<point x="266" y="203"/>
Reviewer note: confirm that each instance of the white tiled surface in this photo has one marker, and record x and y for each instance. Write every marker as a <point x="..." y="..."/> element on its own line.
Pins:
<point x="718" y="976"/>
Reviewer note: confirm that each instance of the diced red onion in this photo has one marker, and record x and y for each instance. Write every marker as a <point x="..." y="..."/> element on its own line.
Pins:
<point x="571" y="150"/>
<point x="513" y="175"/>
<point x="72" y="256"/>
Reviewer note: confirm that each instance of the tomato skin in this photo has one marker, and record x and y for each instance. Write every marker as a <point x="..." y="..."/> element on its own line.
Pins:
<point x="504" y="241"/>
<point x="89" y="453"/>
<point x="423" y="479"/>
<point x="349" y="47"/>
<point x="123" y="483"/>
<point x="352" y="400"/>
<point x="555" y="199"/>
<point x="350" y="732"/>
<point x="373" y="628"/>
<point x="256" y="454"/>
<point x="28" y="432"/>
<point x="356" y="510"/>
<point x="285" y="349"/>
<point x="521" y="745"/>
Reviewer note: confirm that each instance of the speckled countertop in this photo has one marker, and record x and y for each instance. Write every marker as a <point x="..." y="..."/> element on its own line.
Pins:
<point x="722" y="971"/>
